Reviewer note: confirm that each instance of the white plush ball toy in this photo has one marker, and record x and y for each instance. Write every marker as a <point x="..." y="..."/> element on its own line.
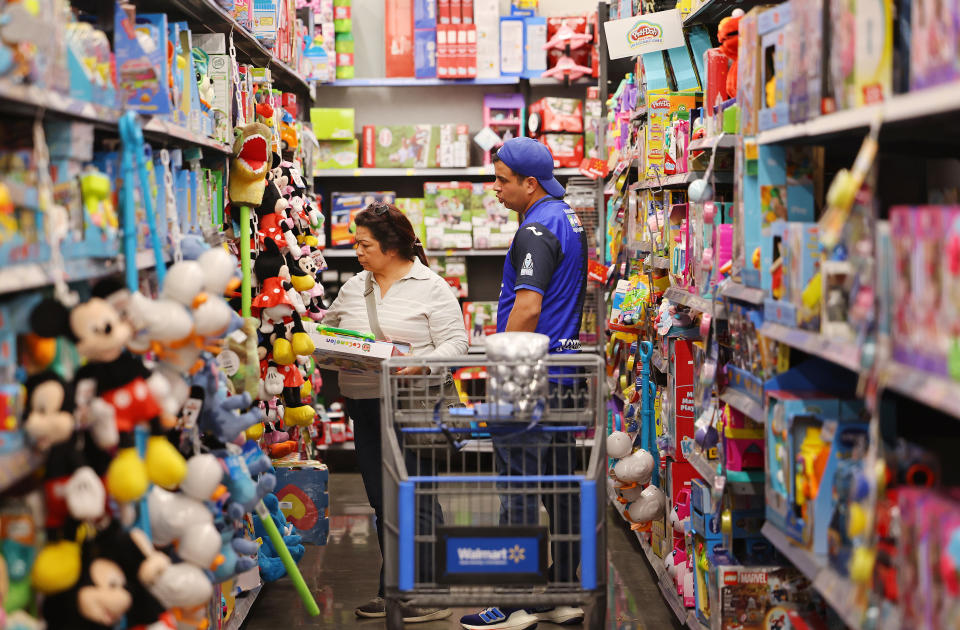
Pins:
<point x="648" y="507"/>
<point x="219" y="270"/>
<point x="637" y="467"/>
<point x="619" y="444"/>
<point x="204" y="475"/>
<point x="630" y="493"/>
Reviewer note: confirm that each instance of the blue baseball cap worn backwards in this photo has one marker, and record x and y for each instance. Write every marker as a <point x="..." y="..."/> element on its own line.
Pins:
<point x="529" y="158"/>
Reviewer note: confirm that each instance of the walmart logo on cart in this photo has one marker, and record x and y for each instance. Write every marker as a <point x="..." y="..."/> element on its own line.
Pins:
<point x="476" y="555"/>
<point x="479" y="554"/>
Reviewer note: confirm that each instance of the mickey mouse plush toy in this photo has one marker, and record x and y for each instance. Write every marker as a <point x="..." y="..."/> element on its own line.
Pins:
<point x="113" y="383"/>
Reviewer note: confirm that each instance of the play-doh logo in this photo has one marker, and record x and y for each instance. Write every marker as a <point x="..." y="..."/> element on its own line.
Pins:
<point x="661" y="103"/>
<point x="644" y="33"/>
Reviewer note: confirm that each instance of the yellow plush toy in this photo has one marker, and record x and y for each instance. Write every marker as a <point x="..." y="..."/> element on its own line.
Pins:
<point x="252" y="159"/>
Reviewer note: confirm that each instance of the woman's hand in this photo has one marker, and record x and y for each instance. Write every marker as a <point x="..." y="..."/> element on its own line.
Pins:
<point x="412" y="369"/>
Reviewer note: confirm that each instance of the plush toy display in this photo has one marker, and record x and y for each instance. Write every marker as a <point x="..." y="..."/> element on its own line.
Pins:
<point x="141" y="410"/>
<point x="728" y="35"/>
<point x="252" y="160"/>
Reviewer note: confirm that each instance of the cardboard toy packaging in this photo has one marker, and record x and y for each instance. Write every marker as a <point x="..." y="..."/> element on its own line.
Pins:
<point x="480" y="320"/>
<point x="447" y="215"/>
<point x="400" y="146"/>
<point x="398" y="33"/>
<point x="493" y="225"/>
<point x="453" y="269"/>
<point x="332" y="123"/>
<point x="566" y="148"/>
<point x="345" y="353"/>
<point x="413" y="209"/>
<point x="336" y="154"/>
<point x="302" y="492"/>
<point x="760" y="598"/>
<point x="873" y="42"/>
<point x="453" y="149"/>
<point x="554" y="114"/>
<point x="775" y="69"/>
<point x="748" y="72"/>
<point x="344" y="207"/>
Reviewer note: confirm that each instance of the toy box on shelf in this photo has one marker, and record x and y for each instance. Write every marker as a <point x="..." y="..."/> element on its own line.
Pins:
<point x="493" y="225"/>
<point x="302" y="491"/>
<point x="763" y="597"/>
<point x="774" y="67"/>
<point x="447" y="215"/>
<point x="480" y="320"/>
<point x="807" y="407"/>
<point x="344" y="207"/>
<point x="453" y="269"/>
<point x="416" y="146"/>
<point x="413" y="209"/>
<point x="680" y="386"/>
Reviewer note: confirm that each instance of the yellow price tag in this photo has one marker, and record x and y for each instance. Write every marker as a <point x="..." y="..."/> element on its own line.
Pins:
<point x="357" y="172"/>
<point x="409" y="172"/>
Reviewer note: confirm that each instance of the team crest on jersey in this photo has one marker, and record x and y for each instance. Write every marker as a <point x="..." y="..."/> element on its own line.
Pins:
<point x="527" y="268"/>
<point x="574" y="221"/>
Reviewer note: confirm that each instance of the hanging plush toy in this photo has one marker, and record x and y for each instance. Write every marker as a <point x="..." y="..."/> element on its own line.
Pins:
<point x="273" y="222"/>
<point x="728" y="35"/>
<point x="113" y="384"/>
<point x="252" y="160"/>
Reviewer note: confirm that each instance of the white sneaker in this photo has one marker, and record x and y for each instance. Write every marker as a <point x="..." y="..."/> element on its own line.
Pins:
<point x="500" y="619"/>
<point x="562" y="615"/>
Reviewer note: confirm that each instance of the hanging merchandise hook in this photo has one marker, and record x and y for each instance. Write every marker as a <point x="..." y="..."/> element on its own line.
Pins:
<point x="56" y="221"/>
<point x="132" y="138"/>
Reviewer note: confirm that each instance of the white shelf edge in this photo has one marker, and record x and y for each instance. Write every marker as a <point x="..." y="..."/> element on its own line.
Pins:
<point x="743" y="403"/>
<point x="940" y="99"/>
<point x="728" y="141"/>
<point x="930" y="389"/>
<point x="337" y="446"/>
<point x="471" y="171"/>
<point x="36" y="275"/>
<point x="241" y="609"/>
<point x="843" y="353"/>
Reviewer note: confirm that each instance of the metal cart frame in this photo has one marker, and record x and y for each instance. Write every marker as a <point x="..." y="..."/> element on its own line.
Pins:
<point x="434" y="454"/>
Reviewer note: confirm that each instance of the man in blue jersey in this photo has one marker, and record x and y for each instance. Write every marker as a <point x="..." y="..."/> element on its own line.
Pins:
<point x="543" y="290"/>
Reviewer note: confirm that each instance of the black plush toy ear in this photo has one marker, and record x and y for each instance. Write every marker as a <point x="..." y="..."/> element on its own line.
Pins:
<point x="50" y="318"/>
<point x="108" y="286"/>
<point x="47" y="375"/>
<point x="276" y="160"/>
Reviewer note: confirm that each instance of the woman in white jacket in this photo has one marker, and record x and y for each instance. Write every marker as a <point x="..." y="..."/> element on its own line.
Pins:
<point x="414" y="305"/>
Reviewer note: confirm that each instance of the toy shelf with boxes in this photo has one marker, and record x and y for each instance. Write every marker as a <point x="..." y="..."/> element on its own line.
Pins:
<point x="468" y="171"/>
<point x="213" y="18"/>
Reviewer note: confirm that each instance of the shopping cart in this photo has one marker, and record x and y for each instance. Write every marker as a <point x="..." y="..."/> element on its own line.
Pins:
<point x="469" y="491"/>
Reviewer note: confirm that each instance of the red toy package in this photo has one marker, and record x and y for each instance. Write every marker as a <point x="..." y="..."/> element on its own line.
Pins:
<point x="553" y="114"/>
<point x="567" y="148"/>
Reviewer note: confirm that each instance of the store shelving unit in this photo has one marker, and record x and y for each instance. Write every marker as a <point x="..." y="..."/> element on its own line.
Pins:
<point x="711" y="11"/>
<point x="695" y="302"/>
<point x="736" y="291"/>
<point x="413" y="82"/>
<point x="842" y="353"/>
<point x="686" y="617"/>
<point x="32" y="99"/>
<point x="36" y="275"/>
<point x="470" y="171"/>
<point x="679" y="180"/>
<point x="241" y="609"/>
<point x="930" y="389"/>
<point x="208" y="15"/>
<point x="912" y="106"/>
<point x="743" y="403"/>
<point x="835" y="589"/>
<point x="725" y="142"/>
<point x="337" y="446"/>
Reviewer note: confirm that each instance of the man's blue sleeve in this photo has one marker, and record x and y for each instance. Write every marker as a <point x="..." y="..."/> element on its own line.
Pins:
<point x="536" y="254"/>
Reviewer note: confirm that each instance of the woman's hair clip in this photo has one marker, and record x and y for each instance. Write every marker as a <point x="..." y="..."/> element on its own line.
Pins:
<point x="417" y="243"/>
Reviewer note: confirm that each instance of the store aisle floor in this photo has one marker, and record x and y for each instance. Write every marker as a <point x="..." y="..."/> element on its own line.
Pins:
<point x="343" y="575"/>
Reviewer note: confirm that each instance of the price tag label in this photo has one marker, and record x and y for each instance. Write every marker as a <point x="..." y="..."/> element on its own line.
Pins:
<point x="719" y="483"/>
<point x="829" y="431"/>
<point x="237" y="336"/>
<point x="410" y="172"/>
<point x="190" y="412"/>
<point x="229" y="362"/>
<point x="357" y="172"/>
